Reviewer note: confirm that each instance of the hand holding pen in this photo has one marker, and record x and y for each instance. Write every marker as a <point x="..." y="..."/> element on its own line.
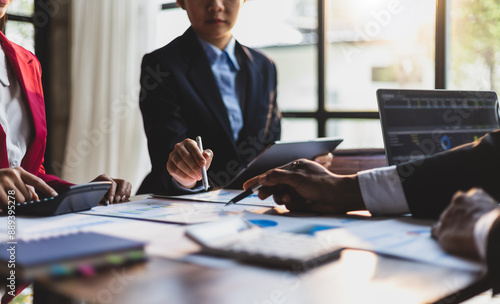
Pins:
<point x="291" y="166"/>
<point x="310" y="187"/>
<point x="186" y="161"/>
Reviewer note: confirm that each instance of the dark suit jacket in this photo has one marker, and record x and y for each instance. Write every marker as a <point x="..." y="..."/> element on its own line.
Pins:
<point x="430" y="184"/>
<point x="180" y="99"/>
<point x="28" y="73"/>
<point x="493" y="256"/>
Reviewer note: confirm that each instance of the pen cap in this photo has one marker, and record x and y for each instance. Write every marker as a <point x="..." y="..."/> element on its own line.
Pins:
<point x="200" y="144"/>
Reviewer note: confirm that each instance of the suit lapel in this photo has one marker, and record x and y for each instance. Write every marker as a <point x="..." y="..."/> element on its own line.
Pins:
<point x="29" y="80"/>
<point x="201" y="77"/>
<point x="251" y="98"/>
<point x="4" y="160"/>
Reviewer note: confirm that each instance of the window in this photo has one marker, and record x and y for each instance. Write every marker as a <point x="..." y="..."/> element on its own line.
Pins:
<point x="20" y="28"/>
<point x="332" y="55"/>
<point x="286" y="33"/>
<point x="475" y="45"/>
<point x="370" y="45"/>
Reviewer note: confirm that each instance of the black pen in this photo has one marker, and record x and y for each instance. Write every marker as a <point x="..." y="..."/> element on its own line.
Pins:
<point x="248" y="192"/>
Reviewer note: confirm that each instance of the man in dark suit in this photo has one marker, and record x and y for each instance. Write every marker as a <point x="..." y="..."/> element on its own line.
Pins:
<point x="470" y="227"/>
<point x="423" y="188"/>
<point x="204" y="83"/>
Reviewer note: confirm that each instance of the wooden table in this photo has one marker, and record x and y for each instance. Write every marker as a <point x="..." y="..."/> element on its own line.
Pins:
<point x="355" y="277"/>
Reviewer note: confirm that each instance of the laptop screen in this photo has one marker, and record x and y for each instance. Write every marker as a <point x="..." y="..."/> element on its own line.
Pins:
<point x="418" y="123"/>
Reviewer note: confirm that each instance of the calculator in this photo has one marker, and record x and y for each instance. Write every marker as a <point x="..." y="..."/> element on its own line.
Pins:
<point x="237" y="238"/>
<point x="75" y="198"/>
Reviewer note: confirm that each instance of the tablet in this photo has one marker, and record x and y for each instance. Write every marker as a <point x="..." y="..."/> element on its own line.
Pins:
<point x="280" y="153"/>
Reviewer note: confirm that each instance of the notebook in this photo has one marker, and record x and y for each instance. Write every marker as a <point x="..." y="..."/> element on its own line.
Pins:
<point x="77" y="253"/>
<point x="419" y="123"/>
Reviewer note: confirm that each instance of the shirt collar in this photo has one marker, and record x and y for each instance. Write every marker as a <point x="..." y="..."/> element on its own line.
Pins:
<point x="4" y="76"/>
<point x="213" y="52"/>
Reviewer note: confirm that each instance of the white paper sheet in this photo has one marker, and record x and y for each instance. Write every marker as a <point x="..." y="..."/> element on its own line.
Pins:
<point x="406" y="238"/>
<point x="224" y="196"/>
<point x="36" y="227"/>
<point x="161" y="239"/>
<point x="173" y="211"/>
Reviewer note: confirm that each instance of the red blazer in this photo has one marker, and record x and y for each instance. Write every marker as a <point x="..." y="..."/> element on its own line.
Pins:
<point x="27" y="69"/>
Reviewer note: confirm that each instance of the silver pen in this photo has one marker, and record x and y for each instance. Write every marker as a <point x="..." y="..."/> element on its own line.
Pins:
<point x="204" y="177"/>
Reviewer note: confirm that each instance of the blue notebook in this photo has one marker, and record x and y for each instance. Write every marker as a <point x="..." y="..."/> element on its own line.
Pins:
<point x="79" y="253"/>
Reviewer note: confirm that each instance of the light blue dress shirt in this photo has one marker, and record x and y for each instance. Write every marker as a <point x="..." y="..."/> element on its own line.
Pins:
<point x="225" y="67"/>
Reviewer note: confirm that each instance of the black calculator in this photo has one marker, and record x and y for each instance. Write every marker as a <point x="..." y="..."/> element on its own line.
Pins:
<point x="75" y="198"/>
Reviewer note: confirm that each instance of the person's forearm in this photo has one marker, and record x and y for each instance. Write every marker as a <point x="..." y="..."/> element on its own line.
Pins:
<point x="352" y="189"/>
<point x="382" y="191"/>
<point x="429" y="184"/>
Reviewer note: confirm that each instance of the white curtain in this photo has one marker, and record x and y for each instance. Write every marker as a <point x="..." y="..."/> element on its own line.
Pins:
<point x="109" y="39"/>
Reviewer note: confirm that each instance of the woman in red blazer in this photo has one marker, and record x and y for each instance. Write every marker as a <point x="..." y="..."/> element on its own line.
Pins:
<point x="27" y="176"/>
<point x="21" y="100"/>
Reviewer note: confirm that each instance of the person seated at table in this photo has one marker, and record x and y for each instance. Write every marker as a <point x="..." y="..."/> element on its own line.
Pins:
<point x="422" y="187"/>
<point x="205" y="83"/>
<point x="23" y="131"/>
<point x="23" y="134"/>
<point x="470" y="227"/>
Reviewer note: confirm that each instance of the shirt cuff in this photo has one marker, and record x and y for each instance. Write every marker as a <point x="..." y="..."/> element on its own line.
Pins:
<point x="382" y="191"/>
<point x="481" y="230"/>
<point x="197" y="188"/>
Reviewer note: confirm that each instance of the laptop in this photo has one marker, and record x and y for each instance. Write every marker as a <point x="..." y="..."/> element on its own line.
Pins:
<point x="419" y="123"/>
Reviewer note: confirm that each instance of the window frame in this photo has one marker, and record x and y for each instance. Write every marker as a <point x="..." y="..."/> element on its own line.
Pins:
<point x="20" y="18"/>
<point x="11" y="17"/>
<point x="41" y="31"/>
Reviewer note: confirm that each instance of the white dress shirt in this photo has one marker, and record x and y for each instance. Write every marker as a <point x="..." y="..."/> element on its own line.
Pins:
<point x="14" y="113"/>
<point x="383" y="193"/>
<point x="482" y="229"/>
